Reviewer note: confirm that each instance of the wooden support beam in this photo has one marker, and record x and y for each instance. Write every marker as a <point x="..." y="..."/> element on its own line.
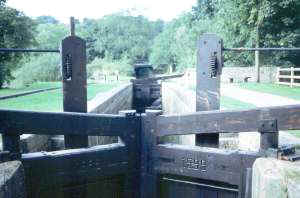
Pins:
<point x="78" y="170"/>
<point x="73" y="54"/>
<point x="208" y="82"/>
<point x="11" y="143"/>
<point x="288" y="118"/>
<point x="132" y="141"/>
<point x="51" y="123"/>
<point x="196" y="162"/>
<point x="148" y="175"/>
<point x="269" y="135"/>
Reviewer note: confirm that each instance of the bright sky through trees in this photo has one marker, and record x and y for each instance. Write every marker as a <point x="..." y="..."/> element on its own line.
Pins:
<point x="63" y="9"/>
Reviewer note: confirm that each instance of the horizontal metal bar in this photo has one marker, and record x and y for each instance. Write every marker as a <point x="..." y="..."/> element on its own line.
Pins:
<point x="201" y="184"/>
<point x="28" y="50"/>
<point x="262" y="49"/>
<point x="28" y="93"/>
<point x="64" y="123"/>
<point x="288" y="118"/>
<point x="145" y="80"/>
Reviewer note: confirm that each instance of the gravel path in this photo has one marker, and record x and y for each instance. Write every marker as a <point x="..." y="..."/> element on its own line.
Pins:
<point x="256" y="98"/>
<point x="262" y="100"/>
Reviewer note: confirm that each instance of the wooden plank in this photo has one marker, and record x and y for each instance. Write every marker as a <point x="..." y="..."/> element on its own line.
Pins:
<point x="283" y="83"/>
<point x="51" y="123"/>
<point x="208" y="82"/>
<point x="198" y="162"/>
<point x="288" y="118"/>
<point x="11" y="143"/>
<point x="289" y="69"/>
<point x="286" y="76"/>
<point x="148" y="174"/>
<point x="287" y="83"/>
<point x="183" y="187"/>
<point x="132" y="141"/>
<point x="73" y="168"/>
<point x="73" y="55"/>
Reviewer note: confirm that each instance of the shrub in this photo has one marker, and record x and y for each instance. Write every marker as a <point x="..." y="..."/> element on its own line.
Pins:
<point x="43" y="68"/>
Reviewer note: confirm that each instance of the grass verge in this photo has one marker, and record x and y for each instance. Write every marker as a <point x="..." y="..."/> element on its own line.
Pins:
<point x="50" y="100"/>
<point x="233" y="104"/>
<point x="279" y="90"/>
<point x="32" y="87"/>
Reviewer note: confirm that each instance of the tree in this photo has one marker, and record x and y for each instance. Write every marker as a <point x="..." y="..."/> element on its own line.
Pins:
<point x="264" y="23"/>
<point x="176" y="46"/>
<point x="119" y="35"/>
<point x="46" y="20"/>
<point x="49" y="36"/>
<point x="16" y="31"/>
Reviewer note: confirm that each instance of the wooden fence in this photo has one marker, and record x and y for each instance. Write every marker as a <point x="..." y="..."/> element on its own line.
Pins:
<point x="288" y="76"/>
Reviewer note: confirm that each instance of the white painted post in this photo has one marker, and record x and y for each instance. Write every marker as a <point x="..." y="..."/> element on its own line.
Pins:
<point x="292" y="76"/>
<point x="257" y="66"/>
<point x="277" y="74"/>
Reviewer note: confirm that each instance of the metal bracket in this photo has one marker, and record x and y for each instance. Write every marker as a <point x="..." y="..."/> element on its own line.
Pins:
<point x="268" y="126"/>
<point x="286" y="153"/>
<point x="128" y="113"/>
<point x="67" y="68"/>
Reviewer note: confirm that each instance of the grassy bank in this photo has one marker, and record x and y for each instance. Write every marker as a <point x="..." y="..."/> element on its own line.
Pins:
<point x="280" y="90"/>
<point x="32" y="87"/>
<point x="50" y="100"/>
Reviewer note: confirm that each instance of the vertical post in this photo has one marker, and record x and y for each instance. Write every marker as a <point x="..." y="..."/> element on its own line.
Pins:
<point x="277" y="74"/>
<point x="11" y="143"/>
<point x="257" y="64"/>
<point x="73" y="55"/>
<point x="72" y="29"/>
<point x="269" y="134"/>
<point x="132" y="142"/>
<point x="292" y="76"/>
<point x="148" y="177"/>
<point x="257" y="67"/>
<point x="209" y="66"/>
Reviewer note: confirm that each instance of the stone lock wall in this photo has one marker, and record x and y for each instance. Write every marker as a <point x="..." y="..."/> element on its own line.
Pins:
<point x="238" y="74"/>
<point x="274" y="178"/>
<point x="110" y="102"/>
<point x="12" y="180"/>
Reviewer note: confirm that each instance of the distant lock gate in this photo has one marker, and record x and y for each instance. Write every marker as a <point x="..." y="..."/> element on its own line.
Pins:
<point x="138" y="166"/>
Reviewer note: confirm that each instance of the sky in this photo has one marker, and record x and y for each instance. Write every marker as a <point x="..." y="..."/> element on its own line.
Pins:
<point x="64" y="9"/>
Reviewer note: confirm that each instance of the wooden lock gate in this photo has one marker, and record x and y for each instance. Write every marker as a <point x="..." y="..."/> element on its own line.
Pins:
<point x="138" y="166"/>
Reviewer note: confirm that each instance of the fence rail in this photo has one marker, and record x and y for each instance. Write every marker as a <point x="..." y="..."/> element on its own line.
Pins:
<point x="287" y="117"/>
<point x="289" y="78"/>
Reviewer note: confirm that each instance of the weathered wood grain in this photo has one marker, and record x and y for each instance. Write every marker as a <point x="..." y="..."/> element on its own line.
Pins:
<point x="208" y="82"/>
<point x="288" y="118"/>
<point x="195" y="162"/>
<point x="73" y="58"/>
<point x="48" y="174"/>
<point x="51" y="123"/>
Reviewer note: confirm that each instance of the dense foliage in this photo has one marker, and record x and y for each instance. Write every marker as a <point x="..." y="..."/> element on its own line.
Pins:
<point x="16" y="31"/>
<point x="116" y="41"/>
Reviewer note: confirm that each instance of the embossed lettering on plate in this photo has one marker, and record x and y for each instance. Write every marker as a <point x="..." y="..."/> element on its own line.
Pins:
<point x="192" y="163"/>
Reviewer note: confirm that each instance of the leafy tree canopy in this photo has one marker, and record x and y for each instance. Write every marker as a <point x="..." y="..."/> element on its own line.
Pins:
<point x="46" y="20"/>
<point x="16" y="31"/>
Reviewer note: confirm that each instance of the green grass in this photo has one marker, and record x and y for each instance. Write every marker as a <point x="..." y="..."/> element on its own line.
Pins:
<point x="230" y="103"/>
<point x="32" y="87"/>
<point x="280" y="90"/>
<point x="50" y="100"/>
<point x="294" y="133"/>
<point x="233" y="104"/>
